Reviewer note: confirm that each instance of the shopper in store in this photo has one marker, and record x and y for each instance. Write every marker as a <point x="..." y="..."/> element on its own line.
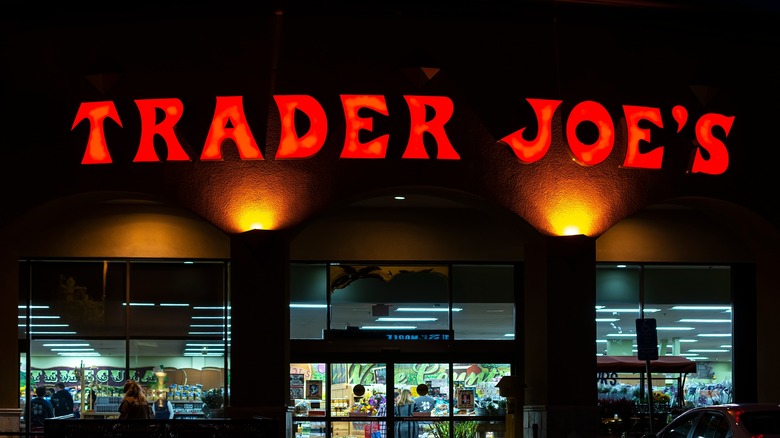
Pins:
<point x="404" y="407"/>
<point x="162" y="409"/>
<point x="62" y="400"/>
<point x="423" y="402"/>
<point x="134" y="404"/>
<point x="40" y="410"/>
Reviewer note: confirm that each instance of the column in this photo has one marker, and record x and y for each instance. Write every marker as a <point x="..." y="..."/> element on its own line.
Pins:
<point x="10" y="411"/>
<point x="259" y="298"/>
<point x="560" y="358"/>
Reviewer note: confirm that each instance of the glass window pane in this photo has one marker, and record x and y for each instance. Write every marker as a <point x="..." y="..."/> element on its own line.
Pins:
<point x="428" y="385"/>
<point x="476" y="390"/>
<point x="617" y="308"/>
<point x="177" y="299"/>
<point x="407" y="298"/>
<point x="693" y="320"/>
<point x="361" y="387"/>
<point x="483" y="302"/>
<point x="306" y="402"/>
<point x="308" y="300"/>
<point x="76" y="299"/>
<point x="93" y="367"/>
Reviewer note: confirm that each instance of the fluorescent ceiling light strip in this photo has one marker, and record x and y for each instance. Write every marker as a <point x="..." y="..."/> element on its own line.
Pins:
<point x="210" y="308"/>
<point x="725" y="346"/>
<point x="607" y="319"/>
<point x="33" y="307"/>
<point x="674" y="328"/>
<point x="79" y="354"/>
<point x="51" y="333"/>
<point x="427" y="309"/>
<point x="388" y="327"/>
<point x="698" y="358"/>
<point x="43" y="325"/>
<point x="621" y="335"/>
<point x="207" y="325"/>
<point x="40" y="317"/>
<point x="715" y="335"/>
<point x="689" y="340"/>
<point x="385" y="319"/>
<point x="509" y="335"/>
<point x="140" y="304"/>
<point x="66" y="345"/>
<point x="206" y="349"/>
<point x="601" y="341"/>
<point x="72" y="349"/>
<point x="619" y="310"/>
<point x="206" y="354"/>
<point x="701" y="307"/>
<point x="211" y="317"/>
<point x="203" y="345"/>
<point x="705" y="320"/>
<point x="308" y="306"/>
<point x="205" y="333"/>
<point x="174" y="305"/>
<point x="709" y="350"/>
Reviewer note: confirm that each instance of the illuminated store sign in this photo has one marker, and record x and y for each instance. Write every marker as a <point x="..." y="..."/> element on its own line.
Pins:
<point x="230" y="123"/>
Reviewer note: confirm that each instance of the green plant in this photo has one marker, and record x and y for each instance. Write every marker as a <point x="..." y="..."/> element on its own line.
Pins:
<point x="463" y="429"/>
<point x="213" y="398"/>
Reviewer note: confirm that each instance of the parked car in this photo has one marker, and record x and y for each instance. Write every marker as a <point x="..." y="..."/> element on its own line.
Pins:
<point x="736" y="420"/>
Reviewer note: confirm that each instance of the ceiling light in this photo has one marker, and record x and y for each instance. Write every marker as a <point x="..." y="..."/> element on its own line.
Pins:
<point x="607" y="319"/>
<point x="308" y="306"/>
<point x="427" y="309"/>
<point x="705" y="320"/>
<point x="701" y="307"/>
<point x="714" y="335"/>
<point x="388" y="327"/>
<point x="385" y="319"/>
<point x="674" y="328"/>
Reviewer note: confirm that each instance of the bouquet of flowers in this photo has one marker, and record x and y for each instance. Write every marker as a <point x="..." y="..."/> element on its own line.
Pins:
<point x="369" y="404"/>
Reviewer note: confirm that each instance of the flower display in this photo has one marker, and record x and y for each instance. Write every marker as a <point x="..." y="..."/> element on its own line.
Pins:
<point x="661" y="397"/>
<point x="369" y="404"/>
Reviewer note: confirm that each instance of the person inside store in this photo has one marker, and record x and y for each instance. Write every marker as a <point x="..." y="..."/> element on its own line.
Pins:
<point x="404" y="407"/>
<point x="423" y="402"/>
<point x="40" y="410"/>
<point x="162" y="409"/>
<point x="62" y="400"/>
<point x="134" y="404"/>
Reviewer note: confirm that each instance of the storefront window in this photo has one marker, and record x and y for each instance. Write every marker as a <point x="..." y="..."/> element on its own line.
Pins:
<point x="400" y="302"/>
<point x="691" y="309"/>
<point x="75" y="316"/>
<point x="476" y="391"/>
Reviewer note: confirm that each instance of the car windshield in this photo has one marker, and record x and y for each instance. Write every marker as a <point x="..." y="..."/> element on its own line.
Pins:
<point x="761" y="422"/>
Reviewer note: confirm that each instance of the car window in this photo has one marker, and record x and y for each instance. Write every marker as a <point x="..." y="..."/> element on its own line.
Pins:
<point x="712" y="425"/>
<point x="761" y="423"/>
<point x="680" y="427"/>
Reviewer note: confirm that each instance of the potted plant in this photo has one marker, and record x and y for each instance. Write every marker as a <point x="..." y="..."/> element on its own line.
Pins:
<point x="213" y="403"/>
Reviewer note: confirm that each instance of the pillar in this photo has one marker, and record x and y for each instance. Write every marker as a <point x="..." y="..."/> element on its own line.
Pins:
<point x="10" y="411"/>
<point x="260" y="352"/>
<point x="560" y="359"/>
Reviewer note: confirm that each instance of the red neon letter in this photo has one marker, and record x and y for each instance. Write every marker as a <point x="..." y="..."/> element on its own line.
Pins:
<point x="719" y="155"/>
<point x="443" y="111"/>
<point x="96" y="112"/>
<point x="534" y="150"/>
<point x="634" y="158"/>
<point x="173" y="109"/>
<point x="353" y="148"/>
<point x="588" y="155"/>
<point x="290" y="145"/>
<point x="230" y="109"/>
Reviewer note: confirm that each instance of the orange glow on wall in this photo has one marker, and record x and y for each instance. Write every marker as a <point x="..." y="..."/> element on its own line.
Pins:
<point x="573" y="209"/>
<point x="255" y="218"/>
